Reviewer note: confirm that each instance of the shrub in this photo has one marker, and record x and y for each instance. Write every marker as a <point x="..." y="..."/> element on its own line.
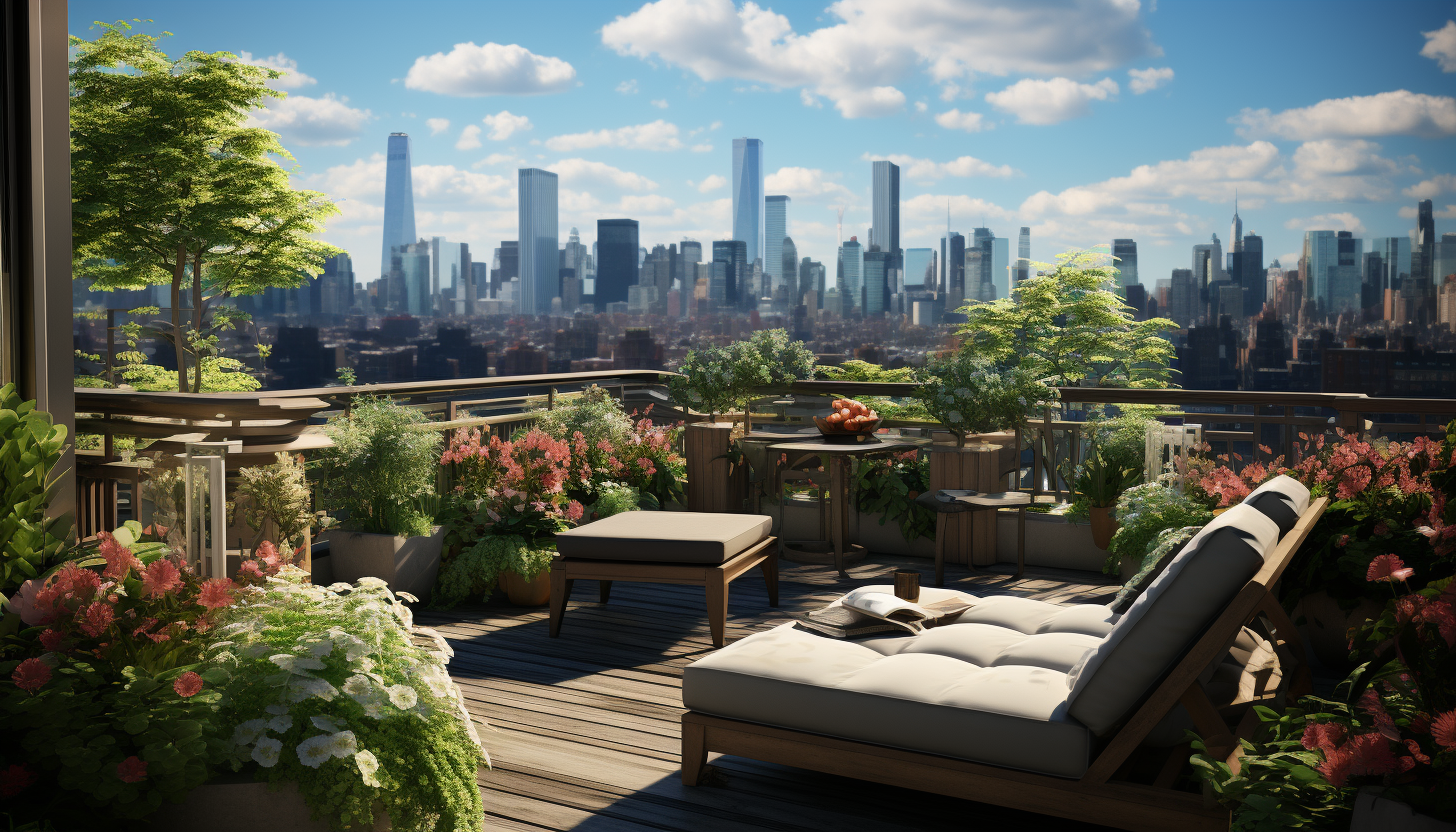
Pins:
<point x="613" y="498"/>
<point x="721" y="379"/>
<point x="968" y="395"/>
<point x="889" y="487"/>
<point x="473" y="572"/>
<point x="594" y="414"/>
<point x="1146" y="510"/>
<point x="276" y="493"/>
<point x="30" y="447"/>
<point x="519" y="485"/>
<point x="382" y="460"/>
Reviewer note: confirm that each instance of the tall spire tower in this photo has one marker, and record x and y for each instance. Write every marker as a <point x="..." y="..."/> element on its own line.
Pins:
<point x="1236" y="233"/>
<point x="399" y="198"/>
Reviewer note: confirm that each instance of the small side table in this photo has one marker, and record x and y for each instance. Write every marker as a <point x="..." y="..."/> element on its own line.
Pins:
<point x="946" y="502"/>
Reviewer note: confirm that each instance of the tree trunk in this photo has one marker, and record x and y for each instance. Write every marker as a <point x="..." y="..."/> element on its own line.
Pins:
<point x="197" y="315"/>
<point x="178" y="269"/>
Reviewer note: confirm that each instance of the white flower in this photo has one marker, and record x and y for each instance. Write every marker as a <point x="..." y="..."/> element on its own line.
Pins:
<point x="315" y="751"/>
<point x="955" y="417"/>
<point x="340" y="587"/>
<point x="277" y="710"/>
<point x="371" y="582"/>
<point x="296" y="664"/>
<point x="343" y="744"/>
<point x="323" y="723"/>
<point x="266" y="752"/>
<point x="357" y="685"/>
<point x="402" y="697"/>
<point x="304" y="687"/>
<point x="248" y="731"/>
<point x="319" y="649"/>
<point x="405" y="596"/>
<point x="368" y="767"/>
<point x="280" y="724"/>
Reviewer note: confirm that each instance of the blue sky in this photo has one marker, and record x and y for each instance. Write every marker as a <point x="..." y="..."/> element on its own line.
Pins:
<point x="1084" y="120"/>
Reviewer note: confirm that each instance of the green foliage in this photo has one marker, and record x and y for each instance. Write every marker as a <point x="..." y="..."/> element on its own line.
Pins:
<point x="613" y="498"/>
<point x="1069" y="325"/>
<point x="718" y="379"/>
<point x="967" y="395"/>
<point x="1146" y="510"/>
<point x="1104" y="477"/>
<point x="30" y="447"/>
<point x="888" y="408"/>
<point x="889" y="487"/>
<point x="276" y="493"/>
<point x="383" y="457"/>
<point x="474" y="571"/>
<point x="594" y="413"/>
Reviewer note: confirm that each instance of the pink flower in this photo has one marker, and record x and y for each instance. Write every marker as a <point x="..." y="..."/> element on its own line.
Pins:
<point x="266" y="552"/>
<point x="1381" y="529"/>
<point x="1443" y="729"/>
<point x="14" y="780"/>
<point x="574" y="511"/>
<point x="119" y="559"/>
<point x="1323" y="736"/>
<point x="96" y="619"/>
<point x="216" y="593"/>
<point x="24" y="604"/>
<point x="160" y="578"/>
<point x="1388" y="568"/>
<point x="52" y="639"/>
<point x="187" y="685"/>
<point x="1364" y="754"/>
<point x="1343" y="541"/>
<point x="131" y="770"/>
<point x="31" y="675"/>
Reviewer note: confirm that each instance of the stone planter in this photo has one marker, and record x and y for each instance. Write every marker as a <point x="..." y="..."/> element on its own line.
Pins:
<point x="527" y="593"/>
<point x="1374" y="813"/>
<point x="1104" y="526"/>
<point x="408" y="564"/>
<point x="236" y="804"/>
<point x="1051" y="541"/>
<point x="1127" y="566"/>
<point x="1325" y="627"/>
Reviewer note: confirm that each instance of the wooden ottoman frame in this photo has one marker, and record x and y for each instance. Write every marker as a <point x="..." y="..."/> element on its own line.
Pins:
<point x="713" y="577"/>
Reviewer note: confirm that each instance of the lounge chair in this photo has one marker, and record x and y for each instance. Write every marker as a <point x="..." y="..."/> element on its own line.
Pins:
<point x="1027" y="704"/>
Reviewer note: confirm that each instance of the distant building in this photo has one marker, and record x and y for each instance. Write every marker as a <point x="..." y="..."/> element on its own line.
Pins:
<point x="1423" y="248"/>
<point x="789" y="270"/>
<point x="775" y="229"/>
<point x="298" y="360"/>
<point x="1023" y="255"/>
<point x="617" y="245"/>
<point x="731" y="288"/>
<point x="399" y="198"/>
<point x="851" y="285"/>
<point x="875" y="296"/>
<point x="885" y="206"/>
<point x="1124" y="253"/>
<point x="637" y="351"/>
<point x="748" y="196"/>
<point x="521" y="359"/>
<point x="539" y="238"/>
<point x="1250" y="273"/>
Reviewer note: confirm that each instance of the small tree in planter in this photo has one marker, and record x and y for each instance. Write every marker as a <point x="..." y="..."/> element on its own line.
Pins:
<point x="276" y="494"/>
<point x="968" y="395"/>
<point x="376" y="479"/>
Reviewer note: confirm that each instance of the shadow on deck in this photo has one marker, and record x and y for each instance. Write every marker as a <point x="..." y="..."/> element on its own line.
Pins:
<point x="583" y="729"/>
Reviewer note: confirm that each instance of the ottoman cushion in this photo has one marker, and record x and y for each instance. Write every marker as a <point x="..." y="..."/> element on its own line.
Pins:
<point x="665" y="536"/>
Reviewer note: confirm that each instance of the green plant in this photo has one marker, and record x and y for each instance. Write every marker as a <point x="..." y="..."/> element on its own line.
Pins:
<point x="889" y="408"/>
<point x="1104" y="477"/>
<point x="967" y="395"/>
<point x="383" y="457"/>
<point x="594" y="414"/>
<point x="721" y="379"/>
<point x="276" y="493"/>
<point x="1143" y="512"/>
<point x="889" y="487"/>
<point x="473" y="572"/>
<point x="613" y="498"/>
<point x="30" y="447"/>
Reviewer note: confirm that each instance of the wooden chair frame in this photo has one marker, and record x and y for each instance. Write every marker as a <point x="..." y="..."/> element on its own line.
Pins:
<point x="713" y="577"/>
<point x="1100" y="795"/>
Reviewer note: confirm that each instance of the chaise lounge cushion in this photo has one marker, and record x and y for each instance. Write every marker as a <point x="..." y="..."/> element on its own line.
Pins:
<point x="1282" y="499"/>
<point x="991" y="688"/>
<point x="1169" y="616"/>
<point x="665" y="536"/>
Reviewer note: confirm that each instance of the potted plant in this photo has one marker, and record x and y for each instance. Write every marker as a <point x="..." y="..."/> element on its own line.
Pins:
<point x="1143" y="512"/>
<point x="1101" y="481"/>
<point x="377" y="480"/>
<point x="968" y="395"/>
<point x="274" y="502"/>
<point x="30" y="447"/>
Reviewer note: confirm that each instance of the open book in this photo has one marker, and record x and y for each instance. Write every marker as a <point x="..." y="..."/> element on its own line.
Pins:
<point x="866" y="611"/>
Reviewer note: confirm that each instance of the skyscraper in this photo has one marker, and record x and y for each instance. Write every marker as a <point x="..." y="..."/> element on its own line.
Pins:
<point x="1423" y="247"/>
<point x="876" y="283"/>
<point x="734" y="255"/>
<point x="1236" y="229"/>
<point x="748" y="201"/>
<point x="691" y="251"/>
<point x="539" y="238"/>
<point x="775" y="229"/>
<point x="1321" y="254"/>
<point x="616" y="260"/>
<point x="1252" y="275"/>
<point x="1023" y="254"/>
<point x="399" y="198"/>
<point x="885" y="212"/>
<point x="919" y="268"/>
<point x="1126" y="262"/>
<point x="789" y="270"/>
<point x="851" y="261"/>
<point x="1395" y="260"/>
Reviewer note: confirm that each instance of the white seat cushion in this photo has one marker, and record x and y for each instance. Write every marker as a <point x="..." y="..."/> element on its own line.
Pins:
<point x="1282" y="499"/>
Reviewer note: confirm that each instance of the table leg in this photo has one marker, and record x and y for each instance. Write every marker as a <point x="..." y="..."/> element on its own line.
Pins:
<point x="839" y="510"/>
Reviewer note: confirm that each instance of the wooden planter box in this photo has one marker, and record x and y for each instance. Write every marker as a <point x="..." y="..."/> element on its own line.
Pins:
<point x="235" y="804"/>
<point x="711" y="487"/>
<point x="409" y="564"/>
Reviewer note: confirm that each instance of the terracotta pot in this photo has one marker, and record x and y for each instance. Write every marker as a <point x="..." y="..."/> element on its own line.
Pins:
<point x="1326" y="628"/>
<point x="1103" y="526"/>
<point x="524" y="593"/>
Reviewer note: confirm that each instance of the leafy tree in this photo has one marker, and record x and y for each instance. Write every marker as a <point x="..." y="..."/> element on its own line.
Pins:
<point x="171" y="187"/>
<point x="1069" y="325"/>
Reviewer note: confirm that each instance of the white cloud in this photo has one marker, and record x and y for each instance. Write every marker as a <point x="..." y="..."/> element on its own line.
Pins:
<point x="575" y="172"/>
<point x="437" y="125"/>
<point x="1343" y="221"/>
<point x="1341" y="157"/>
<point x="1051" y="100"/>
<point x="292" y="79"/>
<point x="1441" y="183"/>
<point x="628" y="87"/>
<point x="871" y="46"/>
<point x="469" y="138"/>
<point x="657" y="135"/>
<point x="494" y="159"/>
<point x="312" y="121"/>
<point x="926" y="170"/>
<point x="1441" y="46"/>
<point x="504" y="124"/>
<point x="435" y="185"/>
<point x="712" y="182"/>
<point x="1147" y="80"/>
<point x="957" y="120"/>
<point x="493" y="69"/>
<point x="1385" y="114"/>
<point x="921" y="106"/>
<point x="660" y="103"/>
<point x="1447" y="213"/>
<point x="805" y="183"/>
<point x="702" y="148"/>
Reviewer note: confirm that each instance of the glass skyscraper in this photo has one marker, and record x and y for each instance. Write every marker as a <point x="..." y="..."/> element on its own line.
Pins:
<point x="734" y="255"/>
<point x="885" y="210"/>
<point x="399" y="198"/>
<point x="539" y="238"/>
<point x="919" y="268"/>
<point x="851" y="262"/>
<point x="1023" y="254"/>
<point x="775" y="229"/>
<point x="1125" y="252"/>
<point x="748" y="202"/>
<point x="617" y="243"/>
<point x="876" y="277"/>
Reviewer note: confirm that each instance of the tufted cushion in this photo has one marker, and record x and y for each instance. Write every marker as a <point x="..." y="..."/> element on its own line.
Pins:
<point x="1169" y="616"/>
<point x="991" y="688"/>
<point x="1282" y="499"/>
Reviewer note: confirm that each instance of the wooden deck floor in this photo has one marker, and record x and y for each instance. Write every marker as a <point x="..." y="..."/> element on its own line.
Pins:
<point x="583" y="730"/>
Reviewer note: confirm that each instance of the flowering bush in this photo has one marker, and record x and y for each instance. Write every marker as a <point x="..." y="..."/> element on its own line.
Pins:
<point x="326" y="688"/>
<point x="1145" y="511"/>
<point x="646" y="459"/>
<point x="968" y="395"/>
<point x="520" y="485"/>
<point x="889" y="487"/>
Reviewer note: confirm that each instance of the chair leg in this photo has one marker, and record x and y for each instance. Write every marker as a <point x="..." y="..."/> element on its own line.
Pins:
<point x="1020" y="541"/>
<point x="717" y="592"/>
<point x="770" y="567"/>
<point x="604" y="590"/>
<point x="940" y="548"/>
<point x="694" y="753"/>
<point x="560" y="593"/>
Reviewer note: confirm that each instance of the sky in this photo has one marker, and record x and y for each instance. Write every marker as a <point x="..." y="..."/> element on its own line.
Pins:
<point x="1085" y="120"/>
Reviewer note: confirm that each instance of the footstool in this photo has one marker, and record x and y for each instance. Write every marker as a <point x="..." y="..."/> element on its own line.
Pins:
<point x="666" y="547"/>
<point x="948" y="502"/>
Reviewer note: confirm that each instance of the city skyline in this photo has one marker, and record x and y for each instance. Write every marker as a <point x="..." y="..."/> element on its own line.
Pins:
<point x="1347" y="141"/>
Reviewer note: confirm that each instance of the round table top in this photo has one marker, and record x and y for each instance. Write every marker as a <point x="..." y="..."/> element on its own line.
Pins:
<point x="820" y="446"/>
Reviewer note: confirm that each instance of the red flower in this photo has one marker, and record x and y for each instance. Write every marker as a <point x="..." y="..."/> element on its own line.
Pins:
<point x="161" y="577"/>
<point x="31" y="675"/>
<point x="1443" y="729"/>
<point x="216" y="594"/>
<point x="1388" y="568"/>
<point x="95" y="619"/>
<point x="52" y="639"/>
<point x="131" y="770"/>
<point x="187" y="685"/>
<point x="1323" y="736"/>
<point x="119" y="559"/>
<point x="15" y="780"/>
<point x="1416" y="752"/>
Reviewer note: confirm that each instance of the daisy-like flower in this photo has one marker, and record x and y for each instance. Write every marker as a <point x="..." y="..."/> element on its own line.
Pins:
<point x="266" y="752"/>
<point x="402" y="697"/>
<point x="280" y="724"/>
<point x="315" y="751"/>
<point x="187" y="685"/>
<point x="1443" y="729"/>
<point x="368" y="768"/>
<point x="343" y="744"/>
<point x="323" y="723"/>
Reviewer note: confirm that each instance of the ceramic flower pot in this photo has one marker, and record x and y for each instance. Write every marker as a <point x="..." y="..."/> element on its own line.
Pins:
<point x="527" y="593"/>
<point x="1104" y="526"/>
<point x="408" y="564"/>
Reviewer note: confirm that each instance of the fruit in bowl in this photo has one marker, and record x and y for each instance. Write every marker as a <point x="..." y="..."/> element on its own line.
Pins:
<point x="848" y="417"/>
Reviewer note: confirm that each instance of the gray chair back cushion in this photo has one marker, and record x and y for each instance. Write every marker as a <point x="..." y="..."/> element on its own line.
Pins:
<point x="1283" y="499"/>
<point x="1169" y="616"/>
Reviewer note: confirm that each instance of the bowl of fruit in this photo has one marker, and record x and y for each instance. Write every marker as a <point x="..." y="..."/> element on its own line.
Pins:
<point x="848" y="421"/>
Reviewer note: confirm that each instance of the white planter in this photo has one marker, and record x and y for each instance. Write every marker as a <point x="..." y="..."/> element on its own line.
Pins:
<point x="408" y="564"/>
<point x="1374" y="813"/>
<point x="237" y="805"/>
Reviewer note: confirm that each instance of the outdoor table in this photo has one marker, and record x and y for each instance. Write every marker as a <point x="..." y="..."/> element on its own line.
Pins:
<point x="837" y="458"/>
